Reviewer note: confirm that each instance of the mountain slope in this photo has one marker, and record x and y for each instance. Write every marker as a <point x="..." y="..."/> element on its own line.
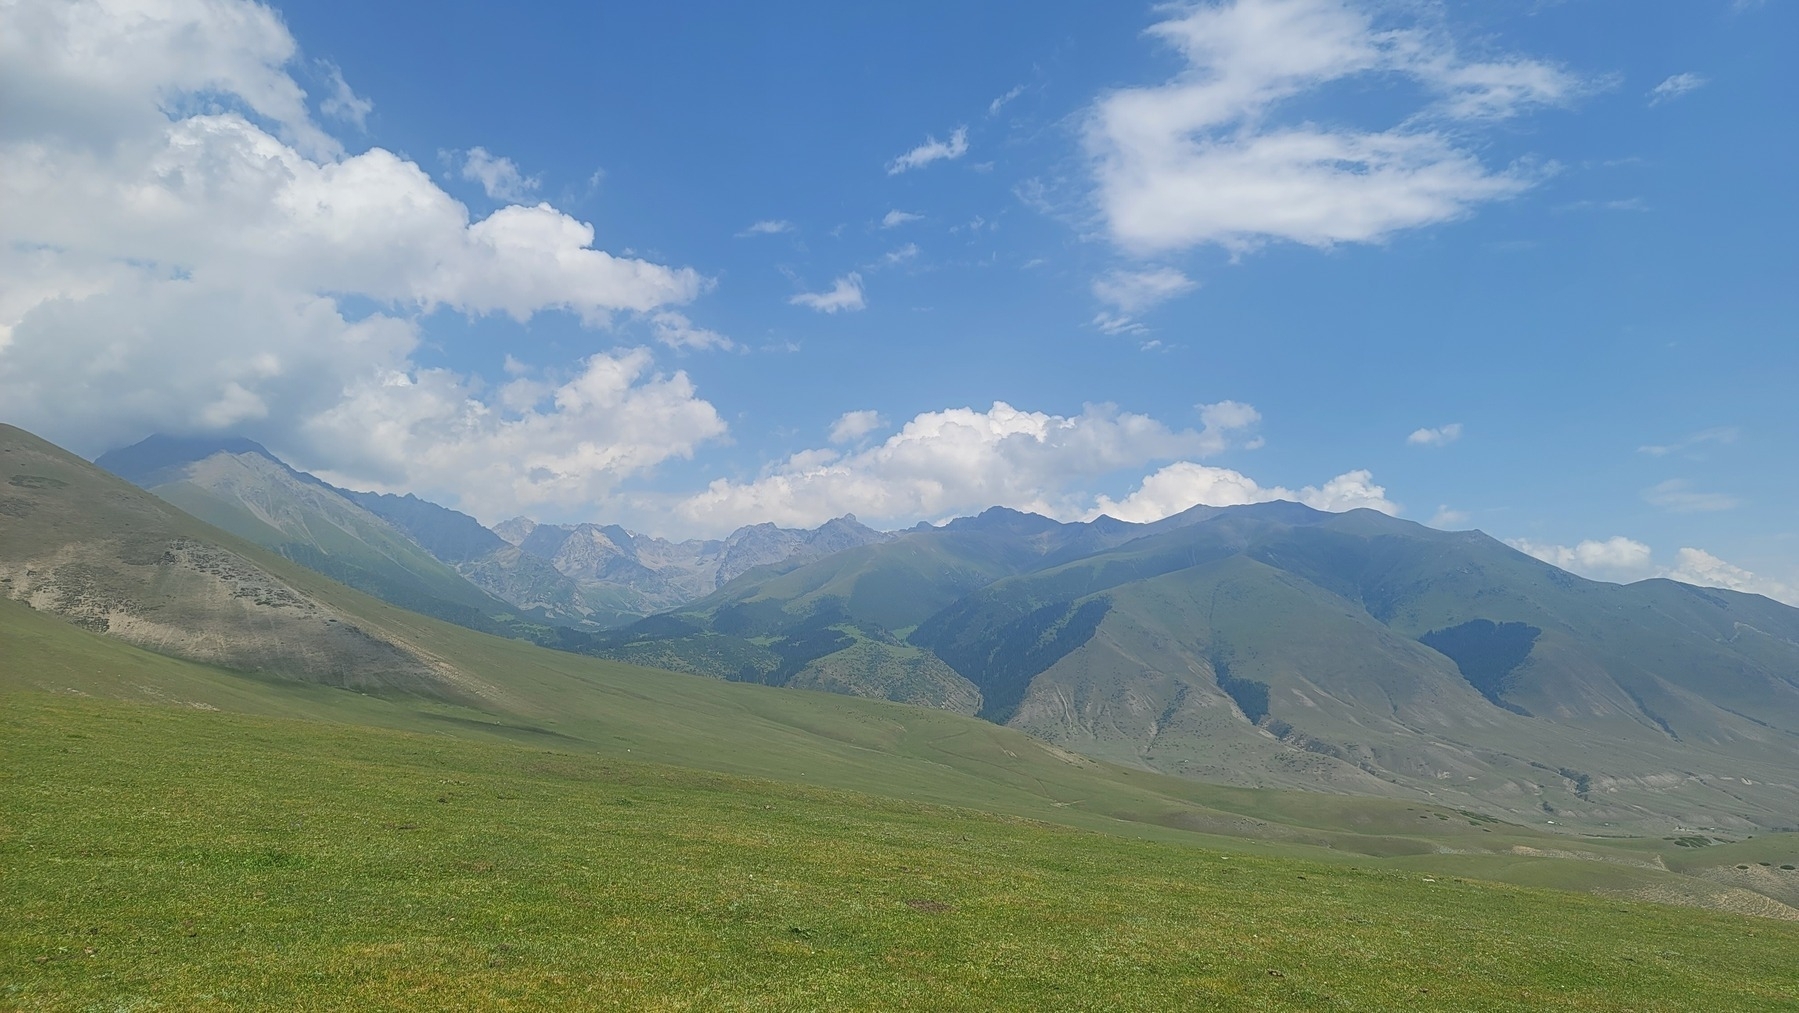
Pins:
<point x="499" y="567"/>
<point x="240" y="487"/>
<point x="1376" y="655"/>
<point x="84" y="545"/>
<point x="646" y="574"/>
<point x="839" y="622"/>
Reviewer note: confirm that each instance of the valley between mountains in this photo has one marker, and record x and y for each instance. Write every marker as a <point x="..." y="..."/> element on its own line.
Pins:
<point x="1267" y="646"/>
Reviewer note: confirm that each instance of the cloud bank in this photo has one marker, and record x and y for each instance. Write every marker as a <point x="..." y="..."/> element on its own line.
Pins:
<point x="183" y="248"/>
<point x="960" y="460"/>
<point x="1623" y="560"/>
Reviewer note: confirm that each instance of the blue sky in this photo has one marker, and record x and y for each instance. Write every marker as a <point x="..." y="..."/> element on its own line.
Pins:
<point x="1521" y="266"/>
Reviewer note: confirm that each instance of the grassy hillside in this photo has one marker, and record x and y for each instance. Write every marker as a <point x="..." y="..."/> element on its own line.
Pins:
<point x="578" y="705"/>
<point x="485" y="687"/>
<point x="154" y="857"/>
<point x="403" y="550"/>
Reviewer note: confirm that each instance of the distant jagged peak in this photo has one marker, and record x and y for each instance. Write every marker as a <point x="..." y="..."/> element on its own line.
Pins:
<point x="515" y="529"/>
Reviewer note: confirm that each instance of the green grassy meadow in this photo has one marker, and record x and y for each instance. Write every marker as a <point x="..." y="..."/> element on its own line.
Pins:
<point x="153" y="857"/>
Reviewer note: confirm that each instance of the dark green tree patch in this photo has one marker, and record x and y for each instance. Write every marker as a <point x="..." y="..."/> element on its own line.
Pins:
<point x="1003" y="663"/>
<point x="1486" y="653"/>
<point x="1251" y="696"/>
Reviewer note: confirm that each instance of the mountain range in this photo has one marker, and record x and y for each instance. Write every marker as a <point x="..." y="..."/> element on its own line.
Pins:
<point x="1279" y="645"/>
<point x="444" y="563"/>
<point x="1266" y="645"/>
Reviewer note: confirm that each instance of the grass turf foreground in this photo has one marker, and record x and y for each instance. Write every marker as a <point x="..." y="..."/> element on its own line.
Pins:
<point x="159" y="859"/>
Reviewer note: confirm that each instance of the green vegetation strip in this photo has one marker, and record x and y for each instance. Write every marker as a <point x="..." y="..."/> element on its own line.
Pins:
<point x="153" y="858"/>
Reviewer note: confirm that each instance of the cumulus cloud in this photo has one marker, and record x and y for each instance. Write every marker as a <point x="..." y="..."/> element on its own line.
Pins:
<point x="1676" y="86"/>
<point x="852" y="426"/>
<point x="767" y="227"/>
<point x="932" y="150"/>
<point x="535" y="442"/>
<point x="1209" y="157"/>
<point x="1441" y="436"/>
<point x="1679" y="496"/>
<point x="844" y="295"/>
<point x="1696" y="566"/>
<point x="499" y="177"/>
<point x="898" y="217"/>
<point x="185" y="266"/>
<point x="1184" y="485"/>
<point x="960" y="460"/>
<point x="1617" y="558"/>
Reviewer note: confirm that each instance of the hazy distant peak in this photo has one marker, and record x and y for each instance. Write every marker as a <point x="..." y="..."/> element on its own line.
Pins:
<point x="1005" y="518"/>
<point x="515" y="530"/>
<point x="154" y="458"/>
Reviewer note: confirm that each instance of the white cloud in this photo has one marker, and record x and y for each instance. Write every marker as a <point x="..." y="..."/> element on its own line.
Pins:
<point x="852" y="426"/>
<point x="1676" y="86"/>
<point x="1184" y="485"/>
<point x="1717" y="434"/>
<point x="180" y="265"/>
<point x="343" y="103"/>
<point x="932" y="150"/>
<point x="767" y="227"/>
<point x="1002" y="101"/>
<point x="845" y="294"/>
<point x="898" y="217"/>
<point x="1117" y="323"/>
<point x="91" y="72"/>
<point x="1696" y="566"/>
<point x="563" y="444"/>
<point x="958" y="460"/>
<point x="1623" y="559"/>
<point x="1208" y="158"/>
<point x="1679" y="496"/>
<point x="1441" y="436"/>
<point x="1228" y="416"/>
<point x="1132" y="292"/>
<point x="895" y="257"/>
<point x="676" y="331"/>
<point x="1618" y="558"/>
<point x="498" y="176"/>
<point x="1136" y="291"/>
<point x="1449" y="519"/>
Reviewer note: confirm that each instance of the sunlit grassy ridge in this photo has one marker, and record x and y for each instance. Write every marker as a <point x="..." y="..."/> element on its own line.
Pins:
<point x="156" y="858"/>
